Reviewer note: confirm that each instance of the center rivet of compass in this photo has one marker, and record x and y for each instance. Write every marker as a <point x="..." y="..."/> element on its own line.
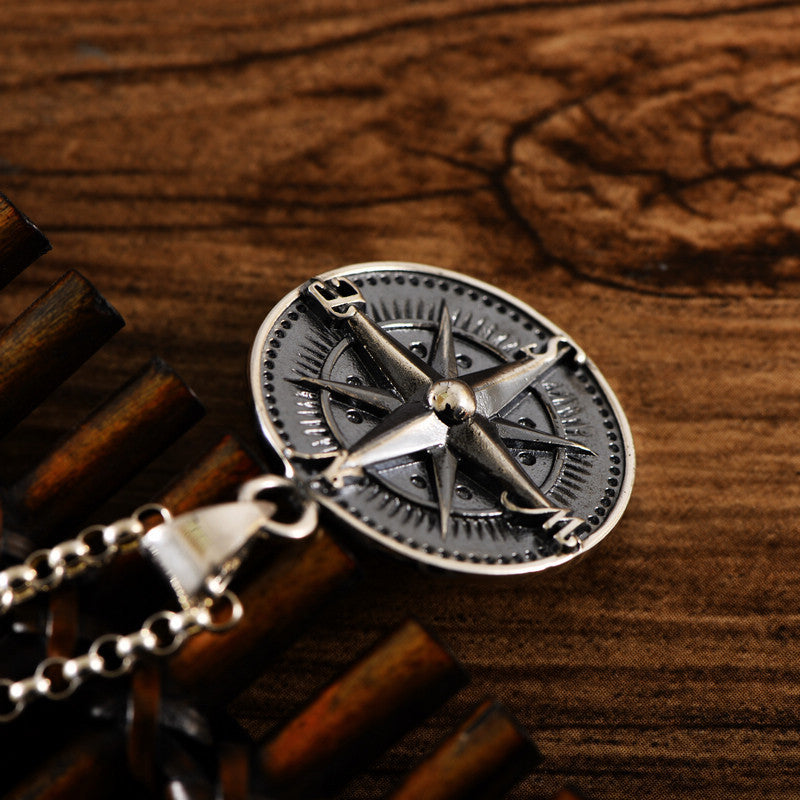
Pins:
<point x="452" y="400"/>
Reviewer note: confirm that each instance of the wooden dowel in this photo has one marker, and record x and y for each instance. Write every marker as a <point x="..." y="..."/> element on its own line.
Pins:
<point x="214" y="479"/>
<point x="49" y="341"/>
<point x="115" y="442"/>
<point x="277" y="600"/>
<point x="21" y="242"/>
<point x="214" y="667"/>
<point x="380" y="697"/>
<point x="482" y="759"/>
<point x="125" y="592"/>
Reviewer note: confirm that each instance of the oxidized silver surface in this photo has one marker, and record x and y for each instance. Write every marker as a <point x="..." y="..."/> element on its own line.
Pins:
<point x="442" y="417"/>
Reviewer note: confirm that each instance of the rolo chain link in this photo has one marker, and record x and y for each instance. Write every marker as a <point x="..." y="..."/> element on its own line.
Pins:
<point x="210" y="608"/>
<point x="112" y="655"/>
<point x="45" y="570"/>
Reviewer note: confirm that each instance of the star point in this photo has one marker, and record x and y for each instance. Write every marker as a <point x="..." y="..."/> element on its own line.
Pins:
<point x="451" y="419"/>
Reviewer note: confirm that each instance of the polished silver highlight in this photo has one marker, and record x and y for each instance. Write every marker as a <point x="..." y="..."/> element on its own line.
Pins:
<point x="442" y="418"/>
<point x="112" y="655"/>
<point x="200" y="551"/>
<point x="93" y="548"/>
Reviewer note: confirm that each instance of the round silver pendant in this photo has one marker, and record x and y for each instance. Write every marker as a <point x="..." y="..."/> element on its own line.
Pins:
<point x="442" y="418"/>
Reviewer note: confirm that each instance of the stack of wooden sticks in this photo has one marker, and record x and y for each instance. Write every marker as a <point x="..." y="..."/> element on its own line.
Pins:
<point x="165" y="726"/>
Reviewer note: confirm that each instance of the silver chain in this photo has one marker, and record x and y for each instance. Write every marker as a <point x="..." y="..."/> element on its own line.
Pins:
<point x="202" y="553"/>
<point x="110" y="655"/>
<point x="45" y="570"/>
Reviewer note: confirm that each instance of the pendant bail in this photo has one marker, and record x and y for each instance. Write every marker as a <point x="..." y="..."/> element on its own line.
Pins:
<point x="199" y="552"/>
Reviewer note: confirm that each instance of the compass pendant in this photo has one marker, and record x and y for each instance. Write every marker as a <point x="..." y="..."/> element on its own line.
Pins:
<point x="442" y="417"/>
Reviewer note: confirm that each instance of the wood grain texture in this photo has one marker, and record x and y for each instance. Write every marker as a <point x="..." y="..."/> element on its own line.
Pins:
<point x="213" y="667"/>
<point x="132" y="427"/>
<point x="628" y="168"/>
<point x="48" y="341"/>
<point x="128" y="589"/>
<point x="122" y="596"/>
<point x="381" y="696"/>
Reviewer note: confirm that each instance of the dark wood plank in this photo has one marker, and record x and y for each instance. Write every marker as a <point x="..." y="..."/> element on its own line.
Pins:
<point x="628" y="168"/>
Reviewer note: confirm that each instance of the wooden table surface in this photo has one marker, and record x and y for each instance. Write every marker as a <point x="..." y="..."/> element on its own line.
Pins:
<point x="630" y="169"/>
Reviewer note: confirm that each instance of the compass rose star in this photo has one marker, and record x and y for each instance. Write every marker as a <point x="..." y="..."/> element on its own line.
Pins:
<point x="453" y="419"/>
